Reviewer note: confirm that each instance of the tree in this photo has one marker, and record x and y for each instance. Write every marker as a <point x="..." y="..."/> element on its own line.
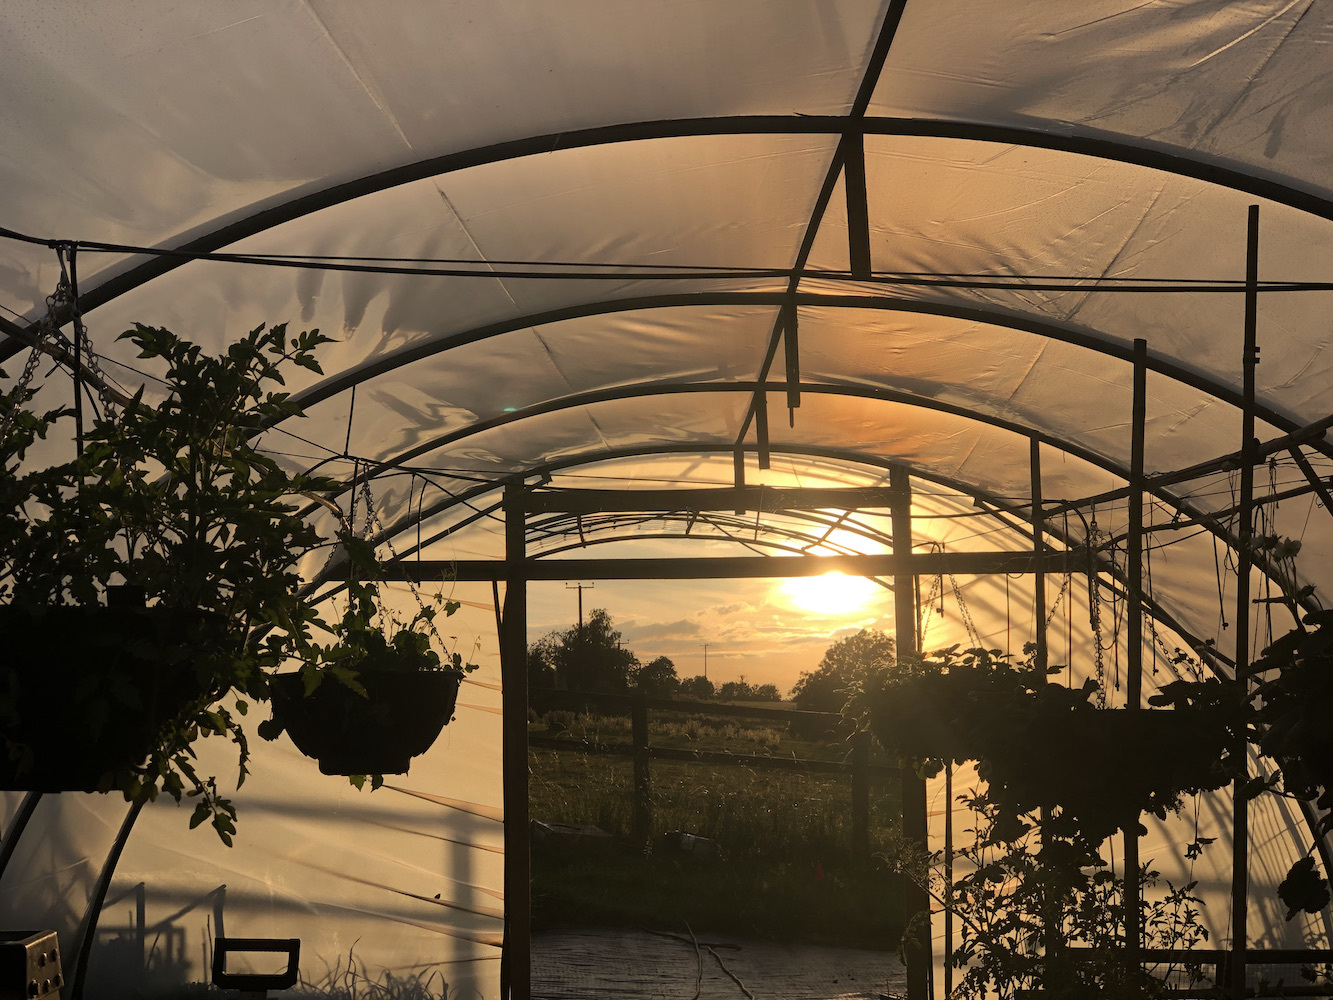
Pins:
<point x="845" y="662"/>
<point x="736" y="691"/>
<point x="767" y="692"/>
<point x="696" y="687"/>
<point x="658" y="678"/>
<point x="544" y="661"/>
<point x="589" y="658"/>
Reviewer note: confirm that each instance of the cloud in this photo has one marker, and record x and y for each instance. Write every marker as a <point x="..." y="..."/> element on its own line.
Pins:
<point x="683" y="628"/>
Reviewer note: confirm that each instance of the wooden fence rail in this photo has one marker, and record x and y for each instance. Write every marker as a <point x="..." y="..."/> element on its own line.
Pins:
<point x="858" y="767"/>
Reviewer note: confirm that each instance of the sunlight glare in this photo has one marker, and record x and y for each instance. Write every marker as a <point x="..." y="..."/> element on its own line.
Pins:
<point x="830" y="594"/>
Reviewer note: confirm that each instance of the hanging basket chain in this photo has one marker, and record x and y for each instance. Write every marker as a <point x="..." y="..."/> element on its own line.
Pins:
<point x="64" y="301"/>
<point x="968" y="623"/>
<point x="927" y="608"/>
<point x="46" y="331"/>
<point x="1095" y="611"/>
<point x="373" y="520"/>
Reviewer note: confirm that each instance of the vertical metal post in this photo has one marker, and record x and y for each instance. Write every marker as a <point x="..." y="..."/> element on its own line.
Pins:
<point x="516" y="976"/>
<point x="761" y="427"/>
<point x="915" y="826"/>
<point x="861" y="798"/>
<point x="643" y="805"/>
<point x="858" y="212"/>
<point x="1240" y="837"/>
<point x="738" y="471"/>
<point x="948" y="877"/>
<point x="792" y="346"/>
<point x="1134" y="629"/>
<point x="1039" y="552"/>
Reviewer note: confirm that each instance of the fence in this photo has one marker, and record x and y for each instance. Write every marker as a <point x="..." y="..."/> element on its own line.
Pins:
<point x="858" y="768"/>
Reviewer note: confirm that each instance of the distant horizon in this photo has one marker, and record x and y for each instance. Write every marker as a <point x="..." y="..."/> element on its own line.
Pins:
<point x="754" y="629"/>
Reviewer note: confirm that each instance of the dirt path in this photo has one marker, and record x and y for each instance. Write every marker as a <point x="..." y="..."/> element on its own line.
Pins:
<point x="639" y="965"/>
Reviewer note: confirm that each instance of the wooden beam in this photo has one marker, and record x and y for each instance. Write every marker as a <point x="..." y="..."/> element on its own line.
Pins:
<point x="760" y="498"/>
<point x="516" y="967"/>
<point x="723" y="567"/>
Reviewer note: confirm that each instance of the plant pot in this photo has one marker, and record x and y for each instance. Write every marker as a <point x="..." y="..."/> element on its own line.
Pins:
<point x="397" y="719"/>
<point x="86" y="693"/>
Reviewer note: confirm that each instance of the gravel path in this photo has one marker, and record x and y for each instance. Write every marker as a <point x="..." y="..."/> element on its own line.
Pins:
<point x="640" y="965"/>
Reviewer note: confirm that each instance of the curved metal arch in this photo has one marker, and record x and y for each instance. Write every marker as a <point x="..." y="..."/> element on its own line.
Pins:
<point x="829" y="453"/>
<point x="642" y="390"/>
<point x="554" y="528"/>
<point x="1064" y="333"/>
<point x="1152" y="606"/>
<point x="556" y="466"/>
<point x="842" y="455"/>
<point x="1078" y="140"/>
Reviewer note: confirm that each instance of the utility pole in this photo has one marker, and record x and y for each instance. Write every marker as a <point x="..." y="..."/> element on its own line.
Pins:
<point x="580" y="587"/>
<point x="705" y="646"/>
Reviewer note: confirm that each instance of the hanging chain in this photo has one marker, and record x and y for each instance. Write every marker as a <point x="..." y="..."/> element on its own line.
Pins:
<point x="70" y="281"/>
<point x="1055" y="604"/>
<point x="1095" y="612"/>
<point x="926" y="608"/>
<point x="968" y="623"/>
<point x="373" y="519"/>
<point x="31" y="366"/>
<point x="46" y="331"/>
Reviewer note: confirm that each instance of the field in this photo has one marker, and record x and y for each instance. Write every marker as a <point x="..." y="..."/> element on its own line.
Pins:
<point x="785" y="865"/>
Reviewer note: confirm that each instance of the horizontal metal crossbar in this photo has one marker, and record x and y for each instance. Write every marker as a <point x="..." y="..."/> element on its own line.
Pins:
<point x="725" y="567"/>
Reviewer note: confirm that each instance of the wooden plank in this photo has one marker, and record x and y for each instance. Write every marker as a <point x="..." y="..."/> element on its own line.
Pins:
<point x="725" y="567"/>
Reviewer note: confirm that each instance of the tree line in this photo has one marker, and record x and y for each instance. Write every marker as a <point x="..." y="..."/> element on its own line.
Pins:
<point x="592" y="658"/>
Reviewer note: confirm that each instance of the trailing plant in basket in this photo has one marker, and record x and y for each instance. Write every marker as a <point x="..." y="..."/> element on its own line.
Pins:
<point x="1044" y="748"/>
<point x="1037" y="906"/>
<point x="173" y="500"/>
<point x="379" y="694"/>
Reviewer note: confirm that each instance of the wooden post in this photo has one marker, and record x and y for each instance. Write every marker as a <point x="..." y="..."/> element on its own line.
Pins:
<point x="1240" y="825"/>
<point x="1039" y="554"/>
<point x="948" y="877"/>
<point x="915" y="825"/>
<point x="516" y="959"/>
<point x="643" y="803"/>
<point x="1134" y="630"/>
<point x="861" y="798"/>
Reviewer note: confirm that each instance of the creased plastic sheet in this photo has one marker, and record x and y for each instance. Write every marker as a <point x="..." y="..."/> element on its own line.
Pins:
<point x="400" y="885"/>
<point x="171" y="117"/>
<point x="951" y="207"/>
<point x="1243" y="82"/>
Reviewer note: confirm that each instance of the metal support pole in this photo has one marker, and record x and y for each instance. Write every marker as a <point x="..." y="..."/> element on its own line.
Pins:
<point x="1240" y="837"/>
<point x="1039" y="555"/>
<point x="948" y="877"/>
<point x="87" y="933"/>
<point x="915" y="825"/>
<point x="858" y="212"/>
<point x="861" y="798"/>
<point x="643" y="803"/>
<point x="516" y="967"/>
<point x="1134" y="629"/>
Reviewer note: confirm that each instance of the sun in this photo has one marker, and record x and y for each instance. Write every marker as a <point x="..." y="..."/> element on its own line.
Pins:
<point x="830" y="594"/>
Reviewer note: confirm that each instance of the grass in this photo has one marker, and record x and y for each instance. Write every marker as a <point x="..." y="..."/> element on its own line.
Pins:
<point x="786" y="868"/>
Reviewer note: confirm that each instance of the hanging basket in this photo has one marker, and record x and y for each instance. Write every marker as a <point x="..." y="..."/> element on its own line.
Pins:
<point x="399" y="717"/>
<point x="86" y="693"/>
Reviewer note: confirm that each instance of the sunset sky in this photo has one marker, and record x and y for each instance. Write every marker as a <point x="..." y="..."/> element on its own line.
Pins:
<point x="765" y="630"/>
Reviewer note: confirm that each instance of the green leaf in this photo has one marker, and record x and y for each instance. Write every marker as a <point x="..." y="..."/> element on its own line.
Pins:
<point x="1304" y="889"/>
<point x="270" y="729"/>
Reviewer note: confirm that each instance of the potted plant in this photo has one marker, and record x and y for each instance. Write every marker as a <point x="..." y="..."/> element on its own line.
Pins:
<point x="377" y="696"/>
<point x="1043" y="747"/>
<point x="173" y="502"/>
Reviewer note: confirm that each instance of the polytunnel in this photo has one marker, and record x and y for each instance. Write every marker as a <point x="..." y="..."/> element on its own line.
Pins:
<point x="1026" y="300"/>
